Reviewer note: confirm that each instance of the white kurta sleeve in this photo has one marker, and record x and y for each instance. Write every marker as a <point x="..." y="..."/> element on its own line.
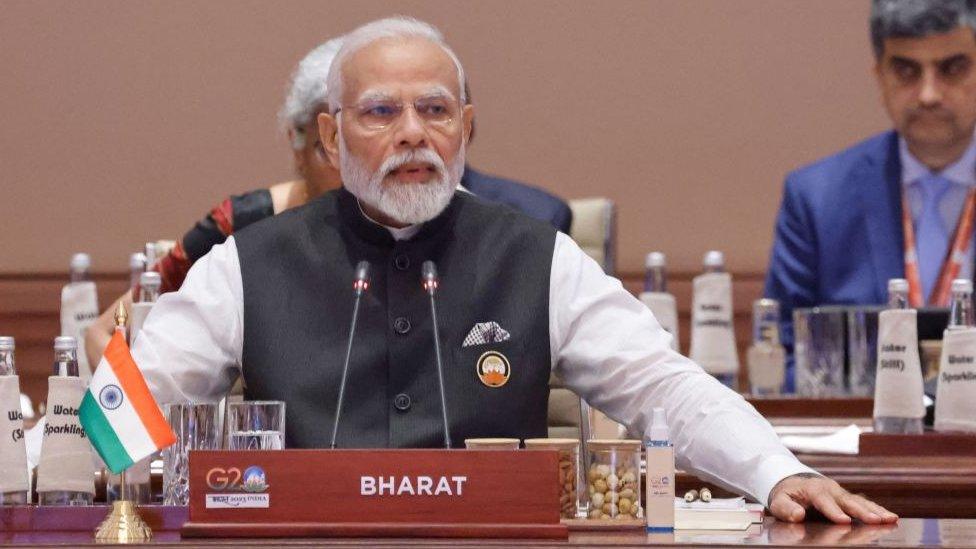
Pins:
<point x="608" y="348"/>
<point x="189" y="349"/>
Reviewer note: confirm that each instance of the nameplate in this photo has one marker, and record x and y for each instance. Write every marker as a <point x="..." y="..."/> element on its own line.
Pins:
<point x="383" y="493"/>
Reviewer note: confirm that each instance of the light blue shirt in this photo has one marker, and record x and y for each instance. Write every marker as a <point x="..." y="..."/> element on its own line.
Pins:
<point x="962" y="174"/>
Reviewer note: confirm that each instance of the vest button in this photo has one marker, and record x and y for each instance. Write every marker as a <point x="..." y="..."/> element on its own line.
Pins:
<point x="402" y="402"/>
<point x="402" y="262"/>
<point x="401" y="325"/>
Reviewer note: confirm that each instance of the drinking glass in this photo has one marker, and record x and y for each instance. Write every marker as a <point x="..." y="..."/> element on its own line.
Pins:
<point x="862" y="349"/>
<point x="819" y="349"/>
<point x="256" y="425"/>
<point x="195" y="426"/>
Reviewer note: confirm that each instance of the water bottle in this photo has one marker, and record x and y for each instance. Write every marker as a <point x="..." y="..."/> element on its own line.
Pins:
<point x="8" y="368"/>
<point x="766" y="356"/>
<point x="65" y="365"/>
<point x="898" y="299"/>
<point x="961" y="312"/>
<point x="656" y="275"/>
<point x="137" y="266"/>
<point x="714" y="262"/>
<point x="80" y="267"/>
<point x="7" y="365"/>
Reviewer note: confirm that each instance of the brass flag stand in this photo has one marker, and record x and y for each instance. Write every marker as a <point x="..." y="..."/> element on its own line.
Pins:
<point x="123" y="524"/>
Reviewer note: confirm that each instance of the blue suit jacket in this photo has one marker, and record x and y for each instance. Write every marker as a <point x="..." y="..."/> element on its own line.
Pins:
<point x="838" y="233"/>
<point x="531" y="201"/>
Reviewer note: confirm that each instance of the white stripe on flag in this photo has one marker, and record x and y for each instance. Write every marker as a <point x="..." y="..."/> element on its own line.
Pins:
<point x="124" y="420"/>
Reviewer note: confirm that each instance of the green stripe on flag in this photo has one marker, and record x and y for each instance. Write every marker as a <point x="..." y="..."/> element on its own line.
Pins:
<point x="102" y="436"/>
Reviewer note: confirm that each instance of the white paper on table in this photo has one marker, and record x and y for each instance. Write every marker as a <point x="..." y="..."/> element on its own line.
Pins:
<point x="845" y="441"/>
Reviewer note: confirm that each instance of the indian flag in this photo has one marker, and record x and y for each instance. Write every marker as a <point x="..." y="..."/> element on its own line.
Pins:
<point x="119" y="413"/>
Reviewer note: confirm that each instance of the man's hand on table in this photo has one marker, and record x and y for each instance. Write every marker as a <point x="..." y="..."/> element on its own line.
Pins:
<point x="792" y="496"/>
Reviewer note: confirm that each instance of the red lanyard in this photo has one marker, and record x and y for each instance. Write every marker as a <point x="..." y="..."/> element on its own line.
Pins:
<point x="953" y="261"/>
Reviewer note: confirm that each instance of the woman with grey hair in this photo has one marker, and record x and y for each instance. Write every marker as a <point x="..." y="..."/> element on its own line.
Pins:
<point x="305" y="99"/>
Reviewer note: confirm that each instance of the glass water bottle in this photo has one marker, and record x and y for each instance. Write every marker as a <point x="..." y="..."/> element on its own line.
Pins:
<point x="767" y="357"/>
<point x="137" y="266"/>
<point x="8" y="368"/>
<point x="80" y="267"/>
<point x="65" y="365"/>
<point x="898" y="299"/>
<point x="714" y="262"/>
<point x="961" y="312"/>
<point x="655" y="275"/>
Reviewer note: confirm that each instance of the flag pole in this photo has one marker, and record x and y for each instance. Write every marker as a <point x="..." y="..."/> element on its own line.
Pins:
<point x="123" y="524"/>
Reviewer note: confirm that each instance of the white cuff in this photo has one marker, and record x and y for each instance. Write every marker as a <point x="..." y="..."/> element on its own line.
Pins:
<point x="772" y="470"/>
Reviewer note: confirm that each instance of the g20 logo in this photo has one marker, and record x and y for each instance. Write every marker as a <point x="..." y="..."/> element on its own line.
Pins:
<point x="233" y="480"/>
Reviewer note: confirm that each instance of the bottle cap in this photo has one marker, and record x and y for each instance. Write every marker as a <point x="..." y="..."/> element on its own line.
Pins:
<point x="765" y="305"/>
<point x="137" y="261"/>
<point x="150" y="279"/>
<point x="897" y="285"/>
<point x="962" y="285"/>
<point x="659" y="426"/>
<point x="714" y="258"/>
<point x="6" y="343"/>
<point x="655" y="259"/>
<point x="65" y="343"/>
<point x="80" y="262"/>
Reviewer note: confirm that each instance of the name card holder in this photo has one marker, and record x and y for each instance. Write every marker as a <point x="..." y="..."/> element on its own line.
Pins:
<point x="374" y="493"/>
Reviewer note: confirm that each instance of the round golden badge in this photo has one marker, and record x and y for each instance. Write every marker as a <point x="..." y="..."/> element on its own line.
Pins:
<point x="493" y="369"/>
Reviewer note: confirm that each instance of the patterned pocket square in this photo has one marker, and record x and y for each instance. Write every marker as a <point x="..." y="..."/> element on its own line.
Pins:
<point x="485" y="332"/>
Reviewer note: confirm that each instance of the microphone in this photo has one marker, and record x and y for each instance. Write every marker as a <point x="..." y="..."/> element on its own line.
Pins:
<point x="359" y="285"/>
<point x="430" y="282"/>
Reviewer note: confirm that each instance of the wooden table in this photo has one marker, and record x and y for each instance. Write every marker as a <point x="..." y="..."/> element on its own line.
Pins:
<point x="908" y="486"/>
<point x="72" y="527"/>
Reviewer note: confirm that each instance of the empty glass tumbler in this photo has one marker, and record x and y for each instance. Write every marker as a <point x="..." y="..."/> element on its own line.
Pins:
<point x="196" y="428"/>
<point x="256" y="425"/>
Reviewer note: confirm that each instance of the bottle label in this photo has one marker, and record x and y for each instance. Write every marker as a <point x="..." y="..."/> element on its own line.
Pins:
<point x="659" y="487"/>
<point x="664" y="309"/>
<point x="767" y="366"/>
<point x="66" y="453"/>
<point x="955" y="403"/>
<point x="13" y="453"/>
<point x="712" y="335"/>
<point x="79" y="308"/>
<point x="898" y="377"/>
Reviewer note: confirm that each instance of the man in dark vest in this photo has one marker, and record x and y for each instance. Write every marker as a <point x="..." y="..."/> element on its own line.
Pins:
<point x="517" y="301"/>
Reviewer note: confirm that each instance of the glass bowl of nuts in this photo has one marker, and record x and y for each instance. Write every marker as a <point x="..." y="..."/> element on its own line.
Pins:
<point x="613" y="480"/>
<point x="567" y="467"/>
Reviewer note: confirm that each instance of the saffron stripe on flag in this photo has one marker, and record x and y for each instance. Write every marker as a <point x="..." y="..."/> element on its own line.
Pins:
<point x="125" y="369"/>
<point x="102" y="435"/>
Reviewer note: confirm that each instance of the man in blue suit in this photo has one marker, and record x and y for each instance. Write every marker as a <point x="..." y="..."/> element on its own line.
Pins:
<point x="529" y="200"/>
<point x="839" y="233"/>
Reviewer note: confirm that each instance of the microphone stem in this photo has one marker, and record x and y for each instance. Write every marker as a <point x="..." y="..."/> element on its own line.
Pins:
<point x="345" y="370"/>
<point x="440" y="371"/>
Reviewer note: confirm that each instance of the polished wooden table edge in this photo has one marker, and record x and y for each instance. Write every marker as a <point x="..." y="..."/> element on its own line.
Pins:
<point x="554" y="531"/>
<point x="907" y="533"/>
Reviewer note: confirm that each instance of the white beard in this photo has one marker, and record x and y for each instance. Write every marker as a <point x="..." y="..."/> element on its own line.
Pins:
<point x="407" y="203"/>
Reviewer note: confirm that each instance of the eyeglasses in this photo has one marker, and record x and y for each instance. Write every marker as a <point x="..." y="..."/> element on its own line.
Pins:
<point x="382" y="114"/>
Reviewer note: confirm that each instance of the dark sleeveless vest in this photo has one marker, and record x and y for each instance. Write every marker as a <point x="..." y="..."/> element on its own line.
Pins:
<point x="297" y="270"/>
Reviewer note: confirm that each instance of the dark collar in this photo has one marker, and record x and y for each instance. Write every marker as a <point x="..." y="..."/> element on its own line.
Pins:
<point x="352" y="216"/>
